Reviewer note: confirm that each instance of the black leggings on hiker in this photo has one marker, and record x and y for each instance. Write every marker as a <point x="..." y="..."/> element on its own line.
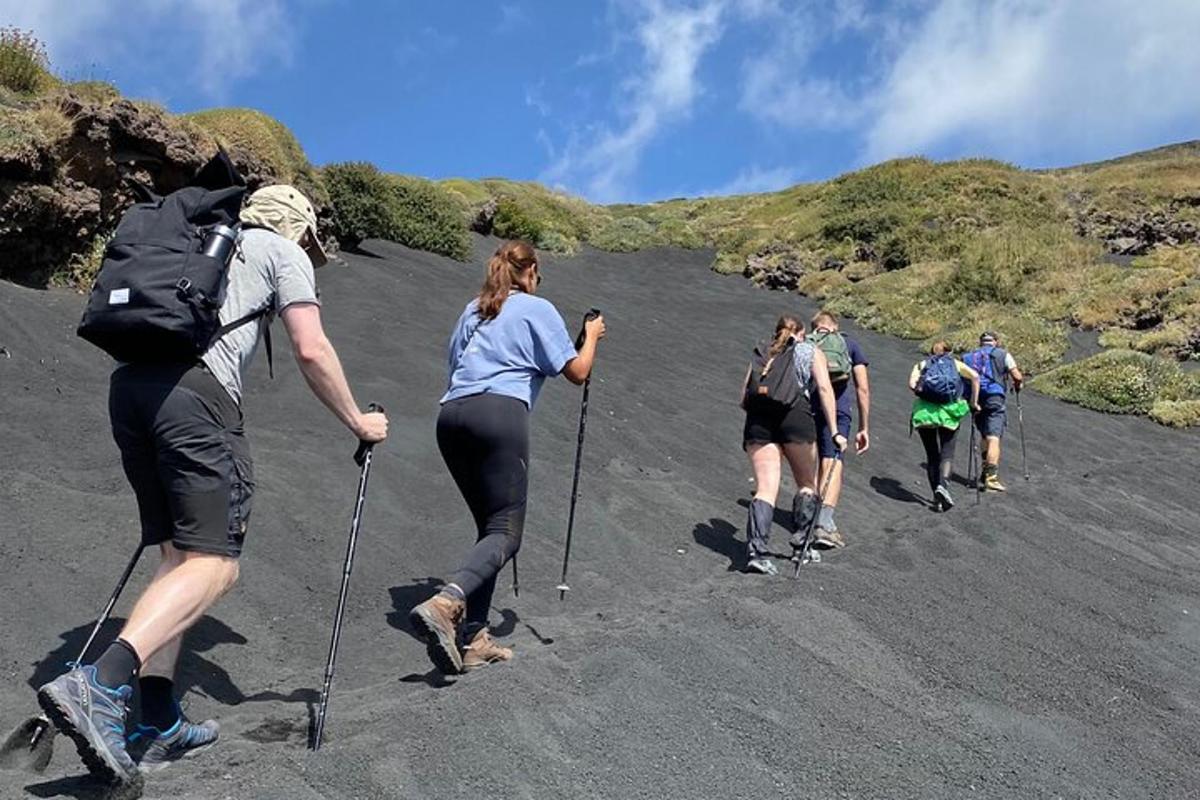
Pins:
<point x="484" y="441"/>
<point x="939" y="454"/>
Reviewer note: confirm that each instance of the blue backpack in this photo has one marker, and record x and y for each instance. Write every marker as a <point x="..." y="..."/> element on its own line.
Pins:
<point x="988" y="361"/>
<point x="939" y="382"/>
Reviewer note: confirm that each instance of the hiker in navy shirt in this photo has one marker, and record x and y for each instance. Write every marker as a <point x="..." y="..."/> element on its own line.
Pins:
<point x="825" y="334"/>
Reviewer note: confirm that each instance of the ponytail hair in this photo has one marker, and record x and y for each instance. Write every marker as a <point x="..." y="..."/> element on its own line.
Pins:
<point x="785" y="328"/>
<point x="504" y="270"/>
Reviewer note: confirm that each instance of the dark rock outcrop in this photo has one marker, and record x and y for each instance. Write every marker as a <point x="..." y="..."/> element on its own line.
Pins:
<point x="485" y="218"/>
<point x="56" y="198"/>
<point x="1137" y="232"/>
<point x="778" y="266"/>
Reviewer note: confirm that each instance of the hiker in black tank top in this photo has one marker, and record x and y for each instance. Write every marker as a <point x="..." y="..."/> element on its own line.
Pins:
<point x="779" y="424"/>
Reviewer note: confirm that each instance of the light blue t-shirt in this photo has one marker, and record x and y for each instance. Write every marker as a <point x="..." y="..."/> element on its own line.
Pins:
<point x="510" y="355"/>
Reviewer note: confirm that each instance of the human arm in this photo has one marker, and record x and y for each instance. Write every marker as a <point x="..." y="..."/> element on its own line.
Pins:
<point x="579" y="368"/>
<point x="1010" y="365"/>
<point x="820" y="374"/>
<point x="914" y="376"/>
<point x="862" y="389"/>
<point x="321" y="368"/>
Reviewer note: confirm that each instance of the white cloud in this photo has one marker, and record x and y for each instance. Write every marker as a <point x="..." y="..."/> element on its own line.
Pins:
<point x="673" y="37"/>
<point x="1017" y="79"/>
<point x="211" y="43"/>
<point x="753" y="180"/>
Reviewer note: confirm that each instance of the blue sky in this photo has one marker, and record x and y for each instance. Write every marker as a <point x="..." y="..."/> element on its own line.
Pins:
<point x="635" y="100"/>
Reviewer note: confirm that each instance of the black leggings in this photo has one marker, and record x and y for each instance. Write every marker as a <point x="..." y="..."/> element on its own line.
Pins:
<point x="484" y="441"/>
<point x="939" y="454"/>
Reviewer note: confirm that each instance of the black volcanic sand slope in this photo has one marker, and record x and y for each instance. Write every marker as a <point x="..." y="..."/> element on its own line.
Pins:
<point x="1043" y="644"/>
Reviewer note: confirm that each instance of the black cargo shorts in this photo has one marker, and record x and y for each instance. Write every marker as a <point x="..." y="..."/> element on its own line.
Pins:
<point x="185" y="454"/>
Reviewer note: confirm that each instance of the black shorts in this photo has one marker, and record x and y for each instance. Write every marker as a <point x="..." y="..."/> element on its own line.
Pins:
<point x="992" y="420"/>
<point x="185" y="454"/>
<point x="767" y="424"/>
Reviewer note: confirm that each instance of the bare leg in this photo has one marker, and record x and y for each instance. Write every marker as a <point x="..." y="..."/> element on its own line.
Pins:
<point x="802" y="458"/>
<point x="162" y="664"/>
<point x="835" y="486"/>
<point x="766" y="461"/>
<point x="185" y="587"/>
<point x="991" y="450"/>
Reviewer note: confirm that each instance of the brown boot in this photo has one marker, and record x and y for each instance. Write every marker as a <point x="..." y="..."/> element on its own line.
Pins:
<point x="437" y="621"/>
<point x="483" y="650"/>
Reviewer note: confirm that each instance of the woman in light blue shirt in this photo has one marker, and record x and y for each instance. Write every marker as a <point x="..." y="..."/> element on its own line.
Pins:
<point x="506" y="343"/>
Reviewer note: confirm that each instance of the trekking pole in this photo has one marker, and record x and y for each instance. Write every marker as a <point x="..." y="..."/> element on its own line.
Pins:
<point x="31" y="736"/>
<point x="516" y="580"/>
<point x="805" y="554"/>
<point x="1021" y="429"/>
<point x="562" y="587"/>
<point x="972" y="476"/>
<point x="362" y="457"/>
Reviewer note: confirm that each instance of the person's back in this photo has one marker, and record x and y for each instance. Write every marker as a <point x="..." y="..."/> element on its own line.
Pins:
<point x="848" y="366"/>
<point x="267" y="272"/>
<point x="996" y="367"/>
<point x="511" y="354"/>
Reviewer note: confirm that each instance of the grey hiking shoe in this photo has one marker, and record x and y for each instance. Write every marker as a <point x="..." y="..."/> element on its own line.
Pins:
<point x="942" y="499"/>
<point x="762" y="565"/>
<point x="153" y="749"/>
<point x="93" y="716"/>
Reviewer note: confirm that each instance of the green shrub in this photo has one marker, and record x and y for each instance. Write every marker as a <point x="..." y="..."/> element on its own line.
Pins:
<point x="368" y="204"/>
<point x="24" y="67"/>
<point x="512" y="221"/>
<point x="363" y="206"/>
<point x="1120" y="382"/>
<point x="1176" y="413"/>
<point x="427" y="217"/>
<point x="558" y="242"/>
<point x="79" y="273"/>
<point x="626" y="234"/>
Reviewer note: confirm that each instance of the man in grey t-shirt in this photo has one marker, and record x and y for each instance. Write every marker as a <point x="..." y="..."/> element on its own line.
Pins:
<point x="179" y="429"/>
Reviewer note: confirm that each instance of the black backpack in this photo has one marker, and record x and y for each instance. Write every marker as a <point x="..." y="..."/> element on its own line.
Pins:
<point x="773" y="379"/>
<point x="157" y="296"/>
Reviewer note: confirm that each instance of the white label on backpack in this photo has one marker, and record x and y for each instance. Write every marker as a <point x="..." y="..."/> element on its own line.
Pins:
<point x="118" y="297"/>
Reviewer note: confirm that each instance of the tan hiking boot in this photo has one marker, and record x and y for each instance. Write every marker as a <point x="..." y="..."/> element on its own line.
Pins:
<point x="483" y="650"/>
<point x="828" y="538"/>
<point x="991" y="479"/>
<point x="437" y="621"/>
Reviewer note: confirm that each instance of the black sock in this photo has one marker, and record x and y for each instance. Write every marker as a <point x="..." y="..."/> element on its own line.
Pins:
<point x="117" y="665"/>
<point x="159" y="709"/>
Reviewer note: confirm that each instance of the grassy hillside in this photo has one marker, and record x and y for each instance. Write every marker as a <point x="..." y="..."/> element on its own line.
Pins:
<point x="910" y="247"/>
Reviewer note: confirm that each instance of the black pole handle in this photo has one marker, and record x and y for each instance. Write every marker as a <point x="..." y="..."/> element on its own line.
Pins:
<point x="588" y="317"/>
<point x="360" y="455"/>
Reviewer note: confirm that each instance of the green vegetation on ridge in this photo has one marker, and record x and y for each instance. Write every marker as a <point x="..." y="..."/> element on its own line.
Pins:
<point x="909" y="247"/>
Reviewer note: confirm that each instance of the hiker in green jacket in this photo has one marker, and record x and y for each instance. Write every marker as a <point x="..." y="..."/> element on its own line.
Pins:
<point x="938" y="411"/>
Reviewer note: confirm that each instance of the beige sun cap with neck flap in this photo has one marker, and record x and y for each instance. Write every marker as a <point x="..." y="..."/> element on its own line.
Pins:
<point x="285" y="210"/>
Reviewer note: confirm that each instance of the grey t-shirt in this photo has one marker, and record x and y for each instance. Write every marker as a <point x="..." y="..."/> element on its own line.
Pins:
<point x="267" y="271"/>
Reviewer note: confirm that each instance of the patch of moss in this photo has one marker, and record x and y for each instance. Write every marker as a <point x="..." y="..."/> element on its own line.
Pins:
<point x="1122" y="382"/>
<point x="266" y="140"/>
<point x="1176" y="413"/>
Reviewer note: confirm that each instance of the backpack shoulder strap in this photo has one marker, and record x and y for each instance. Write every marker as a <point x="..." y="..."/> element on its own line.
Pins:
<point x="229" y="327"/>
